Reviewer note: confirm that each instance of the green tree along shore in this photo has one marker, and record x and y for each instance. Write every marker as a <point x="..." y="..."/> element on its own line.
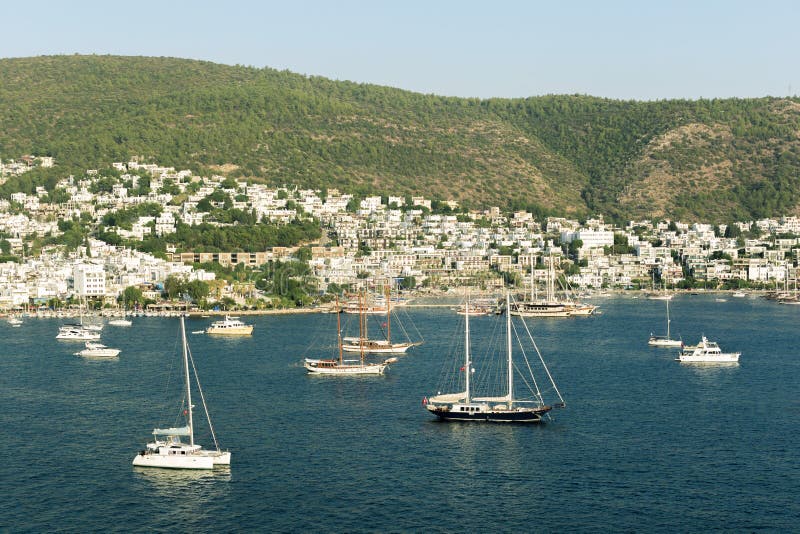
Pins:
<point x="712" y="160"/>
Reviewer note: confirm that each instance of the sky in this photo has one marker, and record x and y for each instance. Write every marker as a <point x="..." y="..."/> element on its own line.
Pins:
<point x="628" y="50"/>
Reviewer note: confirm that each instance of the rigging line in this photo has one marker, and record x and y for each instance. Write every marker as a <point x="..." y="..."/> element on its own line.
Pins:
<point x="164" y="406"/>
<point x="202" y="397"/>
<point x="323" y="327"/>
<point x="416" y="330"/>
<point x="544" y="365"/>
<point x="536" y="390"/>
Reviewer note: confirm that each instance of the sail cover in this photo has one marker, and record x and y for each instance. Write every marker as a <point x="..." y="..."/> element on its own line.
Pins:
<point x="449" y="397"/>
<point x="504" y="398"/>
<point x="175" y="431"/>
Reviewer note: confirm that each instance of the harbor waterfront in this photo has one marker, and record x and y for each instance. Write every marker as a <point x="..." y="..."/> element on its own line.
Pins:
<point x="645" y="443"/>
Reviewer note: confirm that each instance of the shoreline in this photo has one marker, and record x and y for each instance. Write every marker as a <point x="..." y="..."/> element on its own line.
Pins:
<point x="424" y="300"/>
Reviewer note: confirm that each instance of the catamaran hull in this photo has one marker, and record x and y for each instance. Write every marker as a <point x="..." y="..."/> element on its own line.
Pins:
<point x="162" y="461"/>
<point x="198" y="460"/>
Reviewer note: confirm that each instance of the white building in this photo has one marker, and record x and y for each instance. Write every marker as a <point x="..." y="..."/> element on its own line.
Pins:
<point x="89" y="280"/>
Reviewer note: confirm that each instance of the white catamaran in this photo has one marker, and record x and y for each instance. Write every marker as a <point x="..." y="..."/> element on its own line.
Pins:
<point x="168" y="450"/>
<point x="512" y="406"/>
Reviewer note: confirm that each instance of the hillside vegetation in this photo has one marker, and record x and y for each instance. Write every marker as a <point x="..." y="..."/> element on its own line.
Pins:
<point x="711" y="160"/>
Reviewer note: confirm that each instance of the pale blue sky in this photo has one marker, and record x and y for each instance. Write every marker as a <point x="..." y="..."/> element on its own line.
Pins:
<point x="639" y="49"/>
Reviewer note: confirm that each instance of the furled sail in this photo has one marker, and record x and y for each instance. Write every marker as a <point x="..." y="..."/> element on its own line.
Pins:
<point x="175" y="431"/>
<point x="448" y="397"/>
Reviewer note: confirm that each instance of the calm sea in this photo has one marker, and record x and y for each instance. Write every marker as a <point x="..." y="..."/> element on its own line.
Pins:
<point x="645" y="443"/>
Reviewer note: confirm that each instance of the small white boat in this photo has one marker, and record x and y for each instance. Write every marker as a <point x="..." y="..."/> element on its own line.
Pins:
<point x="664" y="341"/>
<point x="230" y="326"/>
<point x="739" y="294"/>
<point x="98" y="350"/>
<point x="120" y="322"/>
<point x="707" y="352"/>
<point x="15" y="322"/>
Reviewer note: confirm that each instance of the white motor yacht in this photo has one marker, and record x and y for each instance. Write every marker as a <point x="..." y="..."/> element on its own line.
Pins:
<point x="707" y="352"/>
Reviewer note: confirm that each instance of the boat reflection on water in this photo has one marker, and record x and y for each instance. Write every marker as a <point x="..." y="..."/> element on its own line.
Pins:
<point x="195" y="486"/>
<point x="710" y="375"/>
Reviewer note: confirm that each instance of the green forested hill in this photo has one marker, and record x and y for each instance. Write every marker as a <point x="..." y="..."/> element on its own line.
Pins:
<point x="712" y="160"/>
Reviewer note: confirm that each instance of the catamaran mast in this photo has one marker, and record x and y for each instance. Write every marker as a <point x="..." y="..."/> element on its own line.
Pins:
<point x="188" y="387"/>
<point x="467" y="364"/>
<point x="510" y="363"/>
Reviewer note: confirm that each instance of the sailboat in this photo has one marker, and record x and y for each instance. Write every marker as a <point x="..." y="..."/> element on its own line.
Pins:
<point x="168" y="450"/>
<point x="664" y="341"/>
<point x="550" y="306"/>
<point x="510" y="407"/>
<point x="664" y="295"/>
<point x="376" y="346"/>
<point x="79" y="331"/>
<point x="340" y="366"/>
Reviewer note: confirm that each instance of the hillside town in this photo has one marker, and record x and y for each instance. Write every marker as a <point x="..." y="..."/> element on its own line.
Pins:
<point x="434" y="244"/>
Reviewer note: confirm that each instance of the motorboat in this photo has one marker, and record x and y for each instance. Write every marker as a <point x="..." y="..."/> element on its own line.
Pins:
<point x="98" y="350"/>
<point x="230" y="326"/>
<point x="707" y="352"/>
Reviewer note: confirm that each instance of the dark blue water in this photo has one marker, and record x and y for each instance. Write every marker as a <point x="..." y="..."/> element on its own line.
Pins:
<point x="645" y="444"/>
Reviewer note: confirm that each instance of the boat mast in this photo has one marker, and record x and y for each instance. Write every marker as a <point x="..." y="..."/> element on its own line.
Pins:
<point x="533" y="284"/>
<point x="339" y="328"/>
<point x="668" y="320"/>
<point x="388" y="315"/>
<point x="188" y="388"/>
<point x="467" y="364"/>
<point x="510" y="363"/>
<point x="361" y="323"/>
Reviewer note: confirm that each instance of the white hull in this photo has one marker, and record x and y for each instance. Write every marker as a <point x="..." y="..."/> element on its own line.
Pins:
<point x="89" y="336"/>
<point x="665" y="343"/>
<point x="315" y="367"/>
<point x="99" y="353"/>
<point x="544" y="313"/>
<point x="230" y="331"/>
<point x="120" y="322"/>
<point x="230" y="326"/>
<point x="200" y="459"/>
<point x="583" y="311"/>
<point x="192" y="461"/>
<point x="732" y="357"/>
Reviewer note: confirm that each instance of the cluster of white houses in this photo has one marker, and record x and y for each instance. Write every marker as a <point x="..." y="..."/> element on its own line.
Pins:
<point x="383" y="238"/>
